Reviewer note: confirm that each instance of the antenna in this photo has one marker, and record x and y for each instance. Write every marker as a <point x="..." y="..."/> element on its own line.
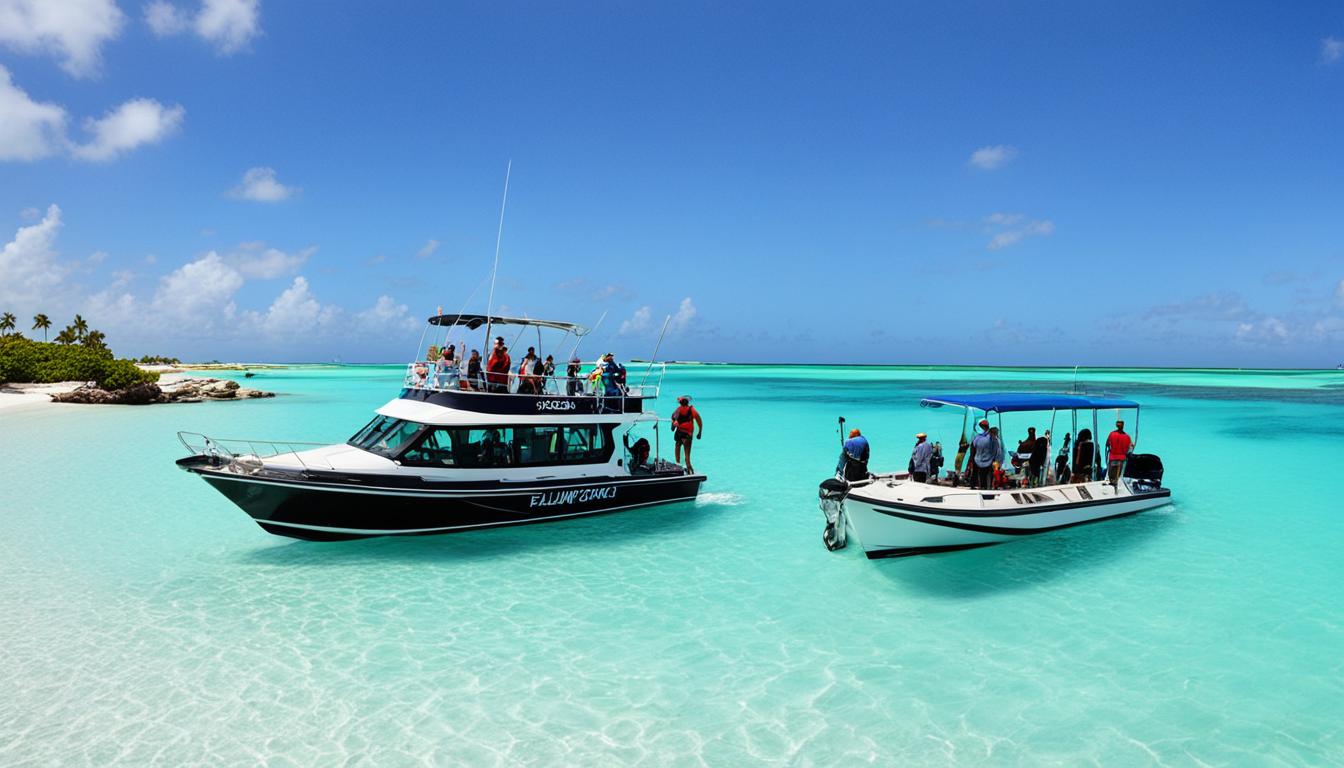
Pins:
<point x="656" y="347"/>
<point x="499" y="235"/>
<point x="579" y="339"/>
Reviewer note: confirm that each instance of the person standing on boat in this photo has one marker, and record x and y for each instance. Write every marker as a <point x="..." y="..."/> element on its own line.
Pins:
<point x="1118" y="446"/>
<point x="685" y="421"/>
<point x="572" y="384"/>
<point x="1084" y="453"/>
<point x="611" y="378"/>
<point x="498" y="366"/>
<point x="1038" y="454"/>
<point x="986" y="456"/>
<point x="920" y="458"/>
<point x="854" y="457"/>
<point x="548" y="374"/>
<point x="474" y="378"/>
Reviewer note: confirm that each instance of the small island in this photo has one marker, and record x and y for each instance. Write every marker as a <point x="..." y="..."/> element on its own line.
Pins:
<point x="78" y="367"/>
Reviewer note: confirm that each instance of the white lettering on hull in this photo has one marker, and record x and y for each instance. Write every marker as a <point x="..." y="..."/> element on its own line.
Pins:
<point x="576" y="496"/>
<point x="555" y="405"/>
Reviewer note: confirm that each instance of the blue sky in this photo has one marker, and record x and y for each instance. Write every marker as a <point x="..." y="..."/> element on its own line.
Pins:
<point x="980" y="183"/>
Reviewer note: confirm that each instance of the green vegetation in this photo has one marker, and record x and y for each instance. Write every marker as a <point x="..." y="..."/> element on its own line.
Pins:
<point x="78" y="354"/>
<point x="158" y="360"/>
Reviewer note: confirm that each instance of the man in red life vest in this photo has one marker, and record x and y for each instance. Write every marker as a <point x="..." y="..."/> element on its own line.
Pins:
<point x="497" y="367"/>
<point x="1118" y="446"/>
<point x="685" y="421"/>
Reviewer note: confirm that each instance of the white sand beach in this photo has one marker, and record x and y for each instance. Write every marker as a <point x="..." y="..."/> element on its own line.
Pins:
<point x="15" y="396"/>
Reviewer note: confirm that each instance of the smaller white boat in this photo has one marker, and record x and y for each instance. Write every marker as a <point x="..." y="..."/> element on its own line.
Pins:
<point x="893" y="515"/>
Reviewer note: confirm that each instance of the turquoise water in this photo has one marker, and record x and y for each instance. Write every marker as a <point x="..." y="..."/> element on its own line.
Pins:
<point x="148" y="621"/>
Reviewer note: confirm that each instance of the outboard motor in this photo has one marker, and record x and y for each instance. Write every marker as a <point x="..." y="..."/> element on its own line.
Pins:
<point x="832" y="494"/>
<point x="1145" y="469"/>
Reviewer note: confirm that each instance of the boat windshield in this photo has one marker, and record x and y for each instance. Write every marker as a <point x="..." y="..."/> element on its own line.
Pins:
<point x="385" y="435"/>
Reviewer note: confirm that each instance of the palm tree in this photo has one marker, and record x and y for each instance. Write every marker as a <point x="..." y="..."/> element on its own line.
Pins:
<point x="7" y="323"/>
<point x="43" y="322"/>
<point x="81" y="327"/>
<point x="95" y="340"/>
<point x="67" y="335"/>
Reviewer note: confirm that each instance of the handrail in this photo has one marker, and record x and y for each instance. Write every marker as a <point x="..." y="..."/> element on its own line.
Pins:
<point x="236" y="452"/>
<point x="425" y="375"/>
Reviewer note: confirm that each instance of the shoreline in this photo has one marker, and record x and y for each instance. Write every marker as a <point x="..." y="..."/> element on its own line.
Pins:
<point x="17" y="396"/>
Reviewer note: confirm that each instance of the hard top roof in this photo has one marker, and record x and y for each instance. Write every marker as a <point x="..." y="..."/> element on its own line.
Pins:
<point x="472" y="322"/>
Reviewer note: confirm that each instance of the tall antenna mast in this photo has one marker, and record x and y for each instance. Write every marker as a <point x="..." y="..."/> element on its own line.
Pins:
<point x="490" y="304"/>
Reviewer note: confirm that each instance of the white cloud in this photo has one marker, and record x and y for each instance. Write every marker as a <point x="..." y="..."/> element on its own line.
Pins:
<point x="260" y="184"/>
<point x="72" y="30"/>
<point x="1011" y="228"/>
<point x="1339" y="293"/>
<point x="255" y="260"/>
<point x="385" y="317"/>
<point x="1332" y="50"/>
<point x="198" y="294"/>
<point x="681" y="319"/>
<point x="1270" y="330"/>
<point x="992" y="157"/>
<point x="29" y="130"/>
<point x="427" y="249"/>
<point x="296" y="313"/>
<point x="638" y="322"/>
<point x="28" y="262"/>
<point x="165" y="19"/>
<point x="229" y="24"/>
<point x="137" y="122"/>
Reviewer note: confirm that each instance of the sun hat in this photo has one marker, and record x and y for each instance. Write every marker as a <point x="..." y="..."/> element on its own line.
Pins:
<point x="920" y="434"/>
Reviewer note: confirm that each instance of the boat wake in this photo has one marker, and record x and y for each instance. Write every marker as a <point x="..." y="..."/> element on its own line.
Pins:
<point x="719" y="499"/>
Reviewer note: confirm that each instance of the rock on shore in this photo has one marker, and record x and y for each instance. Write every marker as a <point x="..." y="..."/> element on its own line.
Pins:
<point x="185" y="391"/>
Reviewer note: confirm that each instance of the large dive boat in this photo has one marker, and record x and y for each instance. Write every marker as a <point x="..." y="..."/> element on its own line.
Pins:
<point x="894" y="515"/>
<point x="452" y="453"/>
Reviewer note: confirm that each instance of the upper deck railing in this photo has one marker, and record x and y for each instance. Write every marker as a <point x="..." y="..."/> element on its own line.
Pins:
<point x="645" y="381"/>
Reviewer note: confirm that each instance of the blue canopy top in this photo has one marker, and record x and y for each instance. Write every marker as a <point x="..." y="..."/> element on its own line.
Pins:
<point x="1005" y="402"/>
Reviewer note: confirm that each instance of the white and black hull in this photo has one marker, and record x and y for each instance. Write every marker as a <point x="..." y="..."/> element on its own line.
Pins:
<point x="335" y="506"/>
<point x="905" y="518"/>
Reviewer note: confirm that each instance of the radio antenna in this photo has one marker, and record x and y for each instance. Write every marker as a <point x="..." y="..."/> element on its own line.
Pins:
<point x="499" y="235"/>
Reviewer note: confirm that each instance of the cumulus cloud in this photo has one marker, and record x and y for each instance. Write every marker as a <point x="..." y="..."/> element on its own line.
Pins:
<point x="385" y="317"/>
<point x="1332" y="50"/>
<point x="28" y="263"/>
<point x="684" y="316"/>
<point x="255" y="261"/>
<point x="71" y="30"/>
<point x="638" y="322"/>
<point x="992" y="157"/>
<point x="228" y="24"/>
<point x="1012" y="228"/>
<point x="1270" y="330"/>
<point x="135" y="123"/>
<point x="427" y="249"/>
<point x="29" y="130"/>
<point x="259" y="184"/>
<point x="197" y="303"/>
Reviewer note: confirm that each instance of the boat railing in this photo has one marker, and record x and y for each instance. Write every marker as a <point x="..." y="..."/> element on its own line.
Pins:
<point x="645" y="381"/>
<point x="247" y="455"/>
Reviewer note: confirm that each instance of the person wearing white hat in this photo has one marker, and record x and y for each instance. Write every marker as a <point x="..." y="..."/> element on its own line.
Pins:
<point x="919" y="458"/>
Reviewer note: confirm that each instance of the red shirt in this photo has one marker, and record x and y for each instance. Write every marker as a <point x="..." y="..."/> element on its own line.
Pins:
<point x="1118" y="445"/>
<point x="498" y="368"/>
<point x="684" y="418"/>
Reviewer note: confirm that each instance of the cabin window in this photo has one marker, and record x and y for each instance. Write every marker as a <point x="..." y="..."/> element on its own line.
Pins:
<point x="385" y="435"/>
<point x="480" y="447"/>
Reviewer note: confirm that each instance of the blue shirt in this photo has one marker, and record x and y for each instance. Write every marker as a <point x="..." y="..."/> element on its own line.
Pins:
<point x="855" y="448"/>
<point x="986" y="449"/>
<point x="921" y="455"/>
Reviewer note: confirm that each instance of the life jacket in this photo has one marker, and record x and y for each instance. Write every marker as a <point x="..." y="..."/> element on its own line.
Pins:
<point x="684" y="418"/>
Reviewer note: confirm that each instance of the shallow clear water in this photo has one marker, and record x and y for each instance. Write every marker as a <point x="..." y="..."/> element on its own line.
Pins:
<point x="149" y="621"/>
